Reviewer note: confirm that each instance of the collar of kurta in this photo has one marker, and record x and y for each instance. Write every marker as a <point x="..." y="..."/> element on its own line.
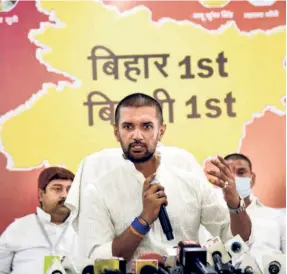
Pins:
<point x="46" y="217"/>
<point x="254" y="202"/>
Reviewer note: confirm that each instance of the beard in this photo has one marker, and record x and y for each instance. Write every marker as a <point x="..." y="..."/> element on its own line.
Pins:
<point x="132" y="155"/>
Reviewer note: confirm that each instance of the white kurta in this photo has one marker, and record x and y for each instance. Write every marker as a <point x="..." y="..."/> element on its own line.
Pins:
<point x="269" y="231"/>
<point x="111" y="203"/>
<point x="100" y="163"/>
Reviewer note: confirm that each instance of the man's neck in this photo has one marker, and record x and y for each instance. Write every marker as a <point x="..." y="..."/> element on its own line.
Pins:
<point x="58" y="219"/>
<point x="149" y="167"/>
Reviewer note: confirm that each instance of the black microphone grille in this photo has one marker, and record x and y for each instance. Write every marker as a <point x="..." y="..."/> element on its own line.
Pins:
<point x="248" y="270"/>
<point x="148" y="269"/>
<point x="236" y="247"/>
<point x="89" y="269"/>
<point x="274" y="267"/>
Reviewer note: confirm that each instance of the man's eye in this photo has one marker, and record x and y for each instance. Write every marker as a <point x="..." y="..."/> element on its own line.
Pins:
<point x="148" y="126"/>
<point x="127" y="126"/>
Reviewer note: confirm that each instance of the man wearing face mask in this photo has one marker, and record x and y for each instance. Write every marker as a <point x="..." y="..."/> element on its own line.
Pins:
<point x="269" y="230"/>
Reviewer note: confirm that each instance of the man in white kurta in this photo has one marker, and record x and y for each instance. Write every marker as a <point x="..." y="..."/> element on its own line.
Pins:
<point x="109" y="204"/>
<point x="23" y="245"/>
<point x="192" y="201"/>
<point x="48" y="231"/>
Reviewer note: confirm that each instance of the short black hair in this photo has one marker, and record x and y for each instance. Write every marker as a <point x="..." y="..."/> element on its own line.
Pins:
<point x="238" y="156"/>
<point x="138" y="100"/>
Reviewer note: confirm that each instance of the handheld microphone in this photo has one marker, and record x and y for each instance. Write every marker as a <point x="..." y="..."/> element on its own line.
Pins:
<point x="165" y="223"/>
<point x="164" y="220"/>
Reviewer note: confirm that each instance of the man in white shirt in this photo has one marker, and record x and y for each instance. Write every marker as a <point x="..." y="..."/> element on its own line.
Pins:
<point x="25" y="242"/>
<point x="119" y="212"/>
<point x="269" y="228"/>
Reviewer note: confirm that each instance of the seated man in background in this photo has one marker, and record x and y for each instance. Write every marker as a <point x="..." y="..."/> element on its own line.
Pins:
<point x="269" y="237"/>
<point x="269" y="230"/>
<point x="48" y="231"/>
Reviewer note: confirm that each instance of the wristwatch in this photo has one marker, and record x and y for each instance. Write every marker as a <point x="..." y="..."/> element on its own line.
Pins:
<point x="238" y="210"/>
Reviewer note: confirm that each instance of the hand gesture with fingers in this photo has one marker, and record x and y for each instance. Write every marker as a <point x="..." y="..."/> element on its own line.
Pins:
<point x="224" y="179"/>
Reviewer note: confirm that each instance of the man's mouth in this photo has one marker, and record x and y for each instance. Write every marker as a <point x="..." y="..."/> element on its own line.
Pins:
<point x="61" y="203"/>
<point x="138" y="148"/>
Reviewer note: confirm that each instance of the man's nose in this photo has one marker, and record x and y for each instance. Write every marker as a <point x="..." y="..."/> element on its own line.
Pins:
<point x="137" y="134"/>
<point x="64" y="194"/>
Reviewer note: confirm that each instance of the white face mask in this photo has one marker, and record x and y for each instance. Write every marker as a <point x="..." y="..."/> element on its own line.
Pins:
<point x="243" y="186"/>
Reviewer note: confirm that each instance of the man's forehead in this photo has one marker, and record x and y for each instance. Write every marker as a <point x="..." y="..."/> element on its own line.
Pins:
<point x="137" y="113"/>
<point x="238" y="163"/>
<point x="60" y="182"/>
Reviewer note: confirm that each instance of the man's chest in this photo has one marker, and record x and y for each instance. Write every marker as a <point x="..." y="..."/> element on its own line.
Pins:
<point x="125" y="203"/>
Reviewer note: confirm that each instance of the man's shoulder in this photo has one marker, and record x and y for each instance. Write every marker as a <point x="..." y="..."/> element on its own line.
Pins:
<point x="21" y="223"/>
<point x="173" y="150"/>
<point x="101" y="162"/>
<point x="113" y="175"/>
<point x="106" y="153"/>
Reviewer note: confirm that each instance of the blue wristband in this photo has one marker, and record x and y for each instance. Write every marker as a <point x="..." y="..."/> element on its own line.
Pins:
<point x="139" y="227"/>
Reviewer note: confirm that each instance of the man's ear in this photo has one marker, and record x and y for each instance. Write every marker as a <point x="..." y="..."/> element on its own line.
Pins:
<point x="116" y="132"/>
<point x="253" y="178"/>
<point x="162" y="131"/>
<point x="40" y="194"/>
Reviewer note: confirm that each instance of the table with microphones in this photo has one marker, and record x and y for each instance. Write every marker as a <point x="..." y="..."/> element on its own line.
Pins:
<point x="213" y="257"/>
